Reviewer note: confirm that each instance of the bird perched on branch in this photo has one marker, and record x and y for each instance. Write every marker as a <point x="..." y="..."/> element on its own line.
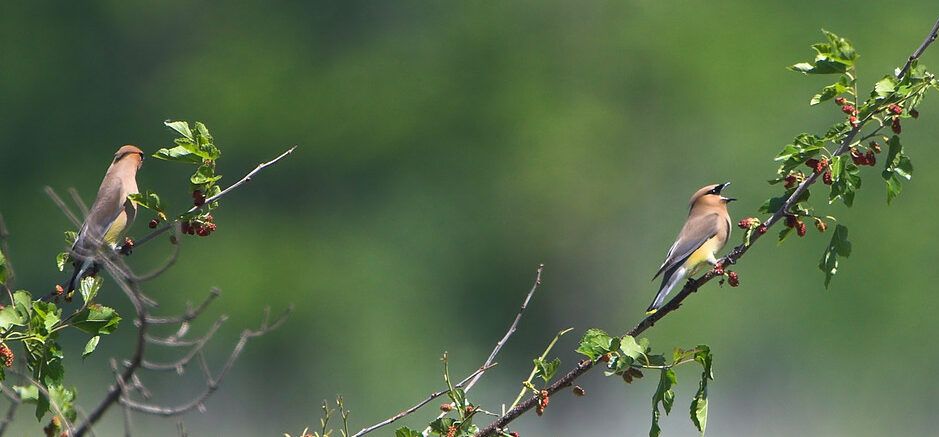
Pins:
<point x="704" y="234"/>
<point x="110" y="216"/>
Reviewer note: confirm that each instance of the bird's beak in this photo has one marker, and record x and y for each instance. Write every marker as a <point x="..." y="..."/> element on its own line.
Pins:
<point x="727" y="199"/>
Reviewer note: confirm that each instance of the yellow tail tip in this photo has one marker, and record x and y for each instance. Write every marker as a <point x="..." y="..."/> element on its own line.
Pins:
<point x="651" y="312"/>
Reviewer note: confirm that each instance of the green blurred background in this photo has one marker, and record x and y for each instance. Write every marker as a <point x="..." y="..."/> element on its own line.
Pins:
<point x="445" y="150"/>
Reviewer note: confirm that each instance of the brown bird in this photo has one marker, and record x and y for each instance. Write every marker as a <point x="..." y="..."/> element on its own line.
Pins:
<point x="705" y="233"/>
<point x="110" y="216"/>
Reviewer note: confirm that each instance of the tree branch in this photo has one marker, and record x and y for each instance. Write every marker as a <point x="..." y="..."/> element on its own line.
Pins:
<point x="472" y="378"/>
<point x="247" y="178"/>
<point x="693" y="285"/>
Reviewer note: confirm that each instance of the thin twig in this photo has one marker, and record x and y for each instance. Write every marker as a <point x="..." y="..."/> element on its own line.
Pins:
<point x="420" y="404"/>
<point x="247" y="178"/>
<point x="212" y="382"/>
<point x="5" y="253"/>
<point x="470" y="380"/>
<point x="694" y="284"/>
<point x="15" y="402"/>
<point x="933" y="34"/>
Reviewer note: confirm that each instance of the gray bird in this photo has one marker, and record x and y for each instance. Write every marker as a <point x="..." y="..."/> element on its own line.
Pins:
<point x="704" y="234"/>
<point x="110" y="216"/>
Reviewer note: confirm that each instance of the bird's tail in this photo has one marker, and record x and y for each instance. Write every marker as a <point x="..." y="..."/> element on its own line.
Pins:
<point x="81" y="268"/>
<point x="671" y="278"/>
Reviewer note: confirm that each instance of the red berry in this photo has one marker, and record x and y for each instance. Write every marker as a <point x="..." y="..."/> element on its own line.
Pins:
<point x="853" y="120"/>
<point x="744" y="224"/>
<point x="761" y="229"/>
<point x="820" y="225"/>
<point x="184" y="227"/>
<point x="840" y="101"/>
<point x="469" y="409"/>
<point x="848" y="109"/>
<point x="826" y="178"/>
<point x="811" y="163"/>
<point x="857" y="157"/>
<point x="895" y="125"/>
<point x="197" y="194"/>
<point x="871" y="159"/>
<point x="578" y="391"/>
<point x="894" y="109"/>
<point x="875" y="146"/>
<point x="914" y="113"/>
<point x="198" y="201"/>
<point x="791" y="180"/>
<point x="732" y="279"/>
<point x="604" y="358"/>
<point x="513" y="434"/>
<point x="445" y="407"/>
<point x="791" y="221"/>
<point x="800" y="229"/>
<point x="153" y="223"/>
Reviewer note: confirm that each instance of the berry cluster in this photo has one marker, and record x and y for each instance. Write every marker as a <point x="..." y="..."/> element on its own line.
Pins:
<point x="817" y="165"/>
<point x="542" y="402"/>
<point x="201" y="228"/>
<point x="732" y="279"/>
<point x="794" y="222"/>
<point x="863" y="158"/>
<point x="895" y="125"/>
<point x="6" y="356"/>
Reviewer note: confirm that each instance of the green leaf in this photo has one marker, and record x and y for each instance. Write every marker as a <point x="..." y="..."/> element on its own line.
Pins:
<point x="18" y="313"/>
<point x="596" y="343"/>
<point x="204" y="174"/>
<point x="61" y="260"/>
<point x="885" y="86"/>
<point x="406" y="432"/>
<point x="897" y="166"/>
<point x="63" y="398"/>
<point x="45" y="316"/>
<point x="458" y="397"/>
<point x="664" y="396"/>
<point x="70" y="237"/>
<point x="831" y="91"/>
<point x="705" y="358"/>
<point x="546" y="370"/>
<point x="699" y="406"/>
<point x="442" y="426"/>
<point x="149" y="200"/>
<point x="178" y="153"/>
<point x="96" y="319"/>
<point x="90" y="346"/>
<point x="88" y="287"/>
<point x="3" y="269"/>
<point x="835" y="56"/>
<point x="838" y="246"/>
<point x="845" y="181"/>
<point x="180" y="126"/>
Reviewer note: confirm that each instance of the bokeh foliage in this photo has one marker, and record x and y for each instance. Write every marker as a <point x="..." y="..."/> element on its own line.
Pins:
<point x="446" y="150"/>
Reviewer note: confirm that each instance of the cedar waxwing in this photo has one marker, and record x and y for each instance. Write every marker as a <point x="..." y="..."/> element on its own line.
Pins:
<point x="705" y="233"/>
<point x="111" y="214"/>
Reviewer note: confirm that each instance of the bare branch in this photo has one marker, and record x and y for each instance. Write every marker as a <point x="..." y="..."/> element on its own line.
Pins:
<point x="933" y="34"/>
<point x="471" y="379"/>
<point x="197" y="346"/>
<point x="190" y="314"/>
<point x="420" y="404"/>
<point x="212" y="382"/>
<point x="15" y="402"/>
<point x="247" y="178"/>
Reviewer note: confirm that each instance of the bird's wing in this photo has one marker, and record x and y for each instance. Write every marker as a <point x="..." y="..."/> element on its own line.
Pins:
<point x="107" y="207"/>
<point x="696" y="231"/>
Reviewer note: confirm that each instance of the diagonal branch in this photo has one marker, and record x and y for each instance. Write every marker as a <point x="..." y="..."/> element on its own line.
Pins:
<point x="472" y="378"/>
<point x="247" y="178"/>
<point x="693" y="285"/>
